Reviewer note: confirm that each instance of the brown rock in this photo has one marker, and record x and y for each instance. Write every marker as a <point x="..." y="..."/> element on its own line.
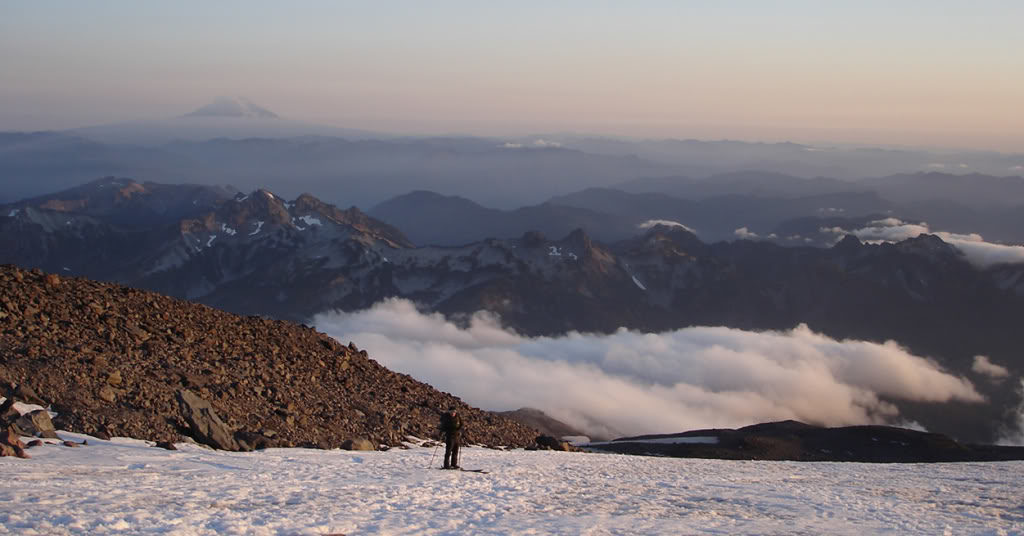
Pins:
<point x="358" y="443"/>
<point x="107" y="393"/>
<point x="11" y="437"/>
<point x="37" y="423"/>
<point x="205" y="425"/>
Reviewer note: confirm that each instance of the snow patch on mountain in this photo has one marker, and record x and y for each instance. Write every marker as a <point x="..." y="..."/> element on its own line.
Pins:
<point x="667" y="223"/>
<point x="259" y="226"/>
<point x="310" y="220"/>
<point x="232" y="107"/>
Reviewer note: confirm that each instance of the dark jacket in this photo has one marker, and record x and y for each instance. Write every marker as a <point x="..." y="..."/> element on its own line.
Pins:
<point x="450" y="425"/>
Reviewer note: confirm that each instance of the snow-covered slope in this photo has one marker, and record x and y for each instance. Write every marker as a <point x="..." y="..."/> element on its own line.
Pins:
<point x="125" y="486"/>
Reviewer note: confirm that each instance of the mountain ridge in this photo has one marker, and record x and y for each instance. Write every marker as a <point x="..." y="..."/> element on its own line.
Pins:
<point x="921" y="292"/>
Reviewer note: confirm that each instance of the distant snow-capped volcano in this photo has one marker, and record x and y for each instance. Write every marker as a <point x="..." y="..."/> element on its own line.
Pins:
<point x="232" y="107"/>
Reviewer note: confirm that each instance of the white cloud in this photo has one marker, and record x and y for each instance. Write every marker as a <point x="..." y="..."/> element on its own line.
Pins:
<point x="668" y="223"/>
<point x="546" y="143"/>
<point x="1017" y="168"/>
<point x="631" y="383"/>
<point x="936" y="165"/>
<point x="1015" y="435"/>
<point x="983" y="366"/>
<point x="510" y="145"/>
<point x="979" y="252"/>
<point x="745" y="233"/>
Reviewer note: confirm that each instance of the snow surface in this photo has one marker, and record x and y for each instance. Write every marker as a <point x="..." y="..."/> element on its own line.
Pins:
<point x="638" y="283"/>
<point x="125" y="486"/>
<point x="259" y="225"/>
<point x="14" y="212"/>
<point x="224" y="227"/>
<point x="210" y="241"/>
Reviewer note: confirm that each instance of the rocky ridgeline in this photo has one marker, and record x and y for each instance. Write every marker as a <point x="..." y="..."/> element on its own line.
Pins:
<point x="116" y="361"/>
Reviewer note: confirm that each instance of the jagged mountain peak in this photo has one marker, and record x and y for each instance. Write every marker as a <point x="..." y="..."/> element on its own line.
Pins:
<point x="930" y="246"/>
<point x="232" y="107"/>
<point x="260" y="205"/>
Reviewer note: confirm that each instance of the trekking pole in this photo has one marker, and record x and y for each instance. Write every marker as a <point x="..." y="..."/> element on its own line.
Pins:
<point x="432" y="456"/>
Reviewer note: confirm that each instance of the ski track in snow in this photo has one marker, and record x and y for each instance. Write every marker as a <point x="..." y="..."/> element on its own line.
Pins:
<point x="126" y="487"/>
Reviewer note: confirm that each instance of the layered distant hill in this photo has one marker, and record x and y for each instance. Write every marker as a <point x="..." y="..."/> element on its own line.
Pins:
<point x="774" y="210"/>
<point x="259" y="254"/>
<point x="234" y="141"/>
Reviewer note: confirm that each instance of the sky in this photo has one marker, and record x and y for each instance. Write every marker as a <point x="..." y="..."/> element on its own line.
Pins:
<point x="937" y="73"/>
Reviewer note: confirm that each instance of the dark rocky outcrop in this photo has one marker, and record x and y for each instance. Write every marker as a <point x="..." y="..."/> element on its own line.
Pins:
<point x="797" y="441"/>
<point x="110" y="360"/>
<point x="11" y="445"/>
<point x="546" y="442"/>
<point x="544" y="423"/>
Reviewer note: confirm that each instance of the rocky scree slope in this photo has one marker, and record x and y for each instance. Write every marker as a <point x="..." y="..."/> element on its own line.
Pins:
<point x="111" y="361"/>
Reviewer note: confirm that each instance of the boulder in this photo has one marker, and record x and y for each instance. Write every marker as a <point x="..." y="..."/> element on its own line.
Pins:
<point x="204" y="424"/>
<point x="358" y="443"/>
<point x="11" y="445"/>
<point x="37" y="423"/>
<point x="108" y="394"/>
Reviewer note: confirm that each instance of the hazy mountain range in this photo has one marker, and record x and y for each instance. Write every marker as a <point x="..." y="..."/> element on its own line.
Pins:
<point x="234" y="141"/>
<point x="257" y="253"/>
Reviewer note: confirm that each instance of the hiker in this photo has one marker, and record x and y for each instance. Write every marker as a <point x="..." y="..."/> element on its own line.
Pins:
<point x="451" y="426"/>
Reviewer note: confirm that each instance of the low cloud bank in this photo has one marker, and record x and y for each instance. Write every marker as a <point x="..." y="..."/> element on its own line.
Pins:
<point x="634" y="383"/>
<point x="979" y="252"/>
<point x="1015" y="435"/>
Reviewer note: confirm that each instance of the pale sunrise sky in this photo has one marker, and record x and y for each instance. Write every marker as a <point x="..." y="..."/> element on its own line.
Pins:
<point x="943" y="73"/>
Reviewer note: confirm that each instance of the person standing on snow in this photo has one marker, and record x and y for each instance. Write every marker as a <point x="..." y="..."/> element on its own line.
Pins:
<point x="451" y="426"/>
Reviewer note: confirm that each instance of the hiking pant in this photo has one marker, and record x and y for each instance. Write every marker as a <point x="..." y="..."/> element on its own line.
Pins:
<point x="451" y="450"/>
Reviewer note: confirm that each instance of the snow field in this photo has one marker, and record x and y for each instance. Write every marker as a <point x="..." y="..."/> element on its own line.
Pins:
<point x="124" y="486"/>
